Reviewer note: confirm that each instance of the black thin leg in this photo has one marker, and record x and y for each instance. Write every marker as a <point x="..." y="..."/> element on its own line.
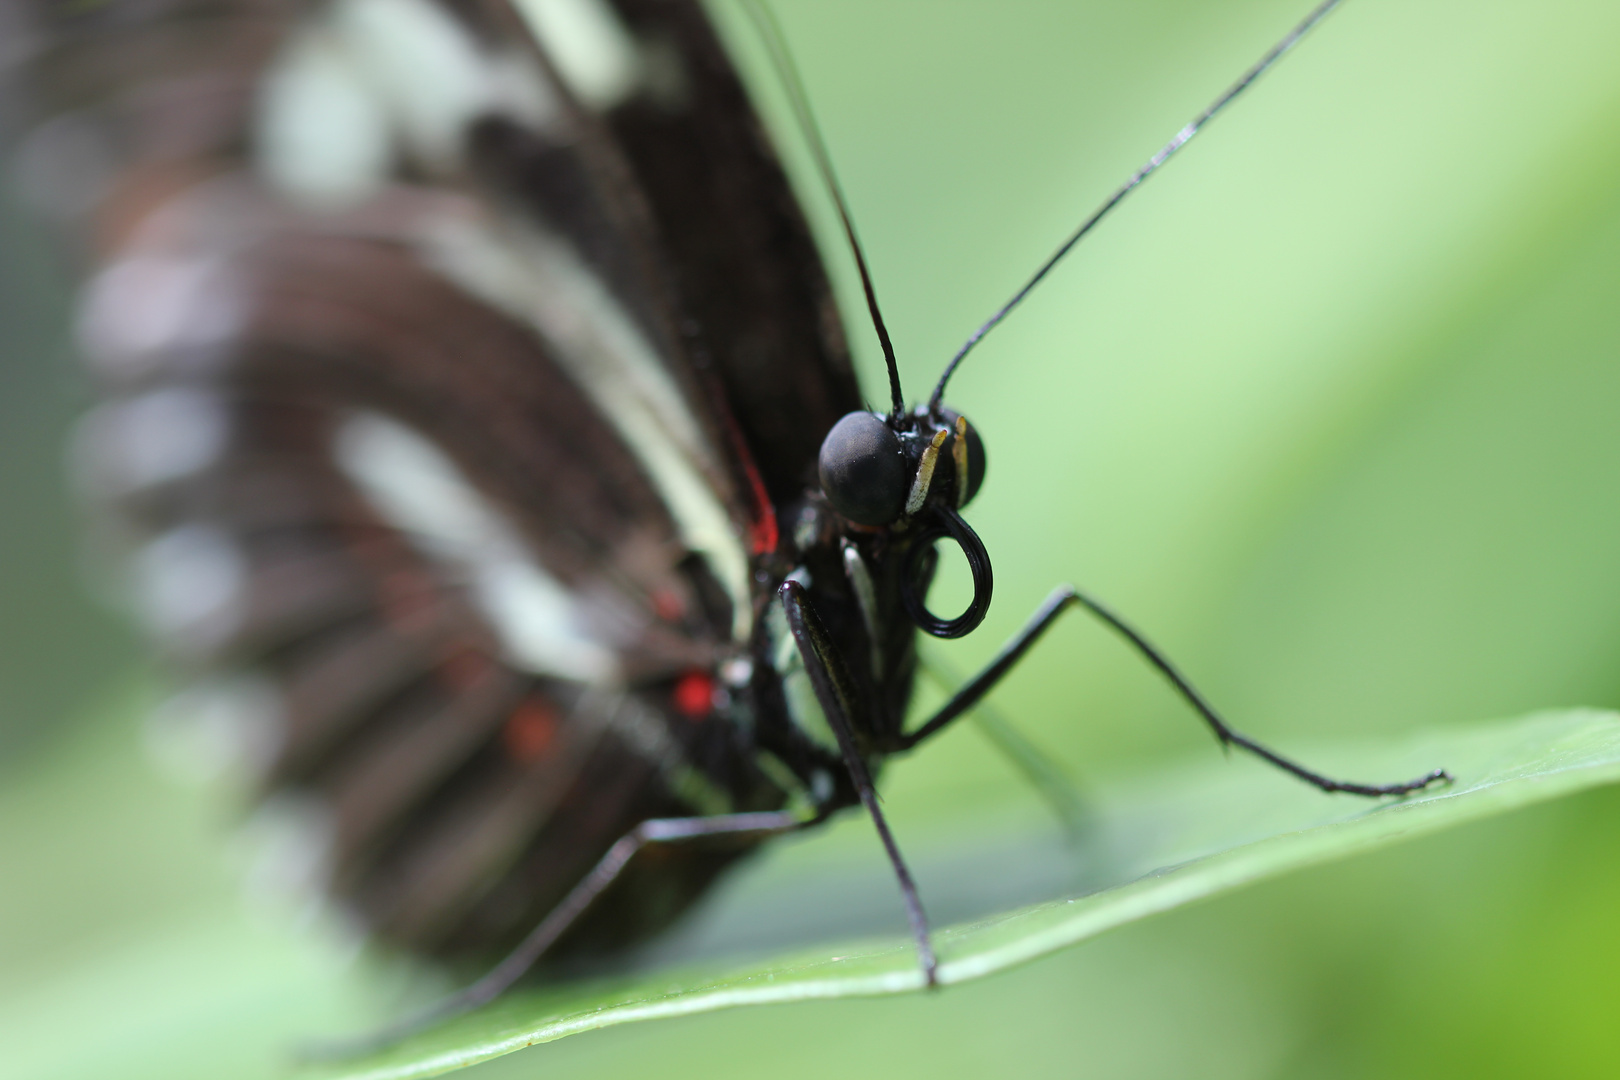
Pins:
<point x="1048" y="778"/>
<point x="517" y="963"/>
<point x="833" y="690"/>
<point x="1064" y="597"/>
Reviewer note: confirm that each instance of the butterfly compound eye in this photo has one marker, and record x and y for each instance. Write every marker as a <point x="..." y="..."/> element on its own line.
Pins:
<point x="863" y="470"/>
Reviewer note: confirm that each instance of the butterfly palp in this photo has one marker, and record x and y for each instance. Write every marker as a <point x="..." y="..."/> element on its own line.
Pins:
<point x="925" y="472"/>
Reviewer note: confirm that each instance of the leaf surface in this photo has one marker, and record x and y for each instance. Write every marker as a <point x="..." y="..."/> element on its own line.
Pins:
<point x="1156" y="843"/>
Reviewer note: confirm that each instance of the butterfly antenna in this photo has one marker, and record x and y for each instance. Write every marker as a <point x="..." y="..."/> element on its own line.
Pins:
<point x="787" y="72"/>
<point x="1183" y="137"/>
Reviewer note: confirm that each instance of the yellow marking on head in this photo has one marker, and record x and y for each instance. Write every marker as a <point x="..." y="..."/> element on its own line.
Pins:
<point x="925" y="473"/>
<point x="959" y="453"/>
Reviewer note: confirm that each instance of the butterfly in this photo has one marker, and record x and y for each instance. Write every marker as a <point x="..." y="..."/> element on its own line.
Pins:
<point x="497" y="474"/>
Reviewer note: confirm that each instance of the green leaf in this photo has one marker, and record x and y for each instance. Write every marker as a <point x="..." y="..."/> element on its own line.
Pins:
<point x="1159" y="842"/>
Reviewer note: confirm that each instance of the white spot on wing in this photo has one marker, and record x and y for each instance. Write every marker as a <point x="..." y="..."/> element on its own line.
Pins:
<point x="322" y="136"/>
<point x="140" y="307"/>
<point x="149" y="440"/>
<point x="222" y="726"/>
<point x="433" y="77"/>
<point x="189" y="582"/>
<point x="420" y="490"/>
<point x="593" y="51"/>
<point x="368" y="79"/>
<point x="737" y="671"/>
<point x="539" y="280"/>
<point x="287" y="845"/>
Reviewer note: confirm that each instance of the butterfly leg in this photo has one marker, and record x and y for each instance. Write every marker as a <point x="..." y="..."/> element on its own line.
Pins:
<point x="830" y="678"/>
<point x="1067" y="596"/>
<point x="517" y="963"/>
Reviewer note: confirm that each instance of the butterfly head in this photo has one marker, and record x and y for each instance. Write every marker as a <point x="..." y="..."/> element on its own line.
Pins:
<point x="879" y="470"/>
<point x="910" y="474"/>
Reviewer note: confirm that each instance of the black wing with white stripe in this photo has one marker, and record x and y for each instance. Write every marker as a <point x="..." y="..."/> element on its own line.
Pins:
<point x="456" y="359"/>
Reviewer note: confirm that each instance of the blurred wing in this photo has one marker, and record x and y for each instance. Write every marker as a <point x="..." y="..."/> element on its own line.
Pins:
<point x="456" y="357"/>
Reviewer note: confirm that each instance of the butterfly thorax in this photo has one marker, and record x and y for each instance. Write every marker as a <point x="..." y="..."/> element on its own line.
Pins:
<point x="861" y="545"/>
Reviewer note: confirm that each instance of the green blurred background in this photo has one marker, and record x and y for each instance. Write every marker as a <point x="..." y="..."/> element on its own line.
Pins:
<point x="1329" y="408"/>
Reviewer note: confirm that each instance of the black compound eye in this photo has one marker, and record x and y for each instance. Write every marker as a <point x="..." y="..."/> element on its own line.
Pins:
<point x="863" y="470"/>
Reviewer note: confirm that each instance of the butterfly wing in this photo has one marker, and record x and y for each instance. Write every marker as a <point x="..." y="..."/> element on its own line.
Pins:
<point x="456" y="359"/>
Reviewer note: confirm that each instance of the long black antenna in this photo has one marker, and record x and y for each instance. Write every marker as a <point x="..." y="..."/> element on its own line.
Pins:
<point x="1183" y="137"/>
<point x="770" y="33"/>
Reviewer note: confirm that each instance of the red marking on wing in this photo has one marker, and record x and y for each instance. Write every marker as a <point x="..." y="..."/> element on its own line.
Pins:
<point x="668" y="605"/>
<point x="694" y="694"/>
<point x="530" y="731"/>
<point x="763" y="533"/>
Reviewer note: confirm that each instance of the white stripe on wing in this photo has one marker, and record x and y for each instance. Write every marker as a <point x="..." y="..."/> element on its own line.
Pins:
<point x="366" y="82"/>
<point x="419" y="490"/>
<point x="538" y="279"/>
<point x="593" y="51"/>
